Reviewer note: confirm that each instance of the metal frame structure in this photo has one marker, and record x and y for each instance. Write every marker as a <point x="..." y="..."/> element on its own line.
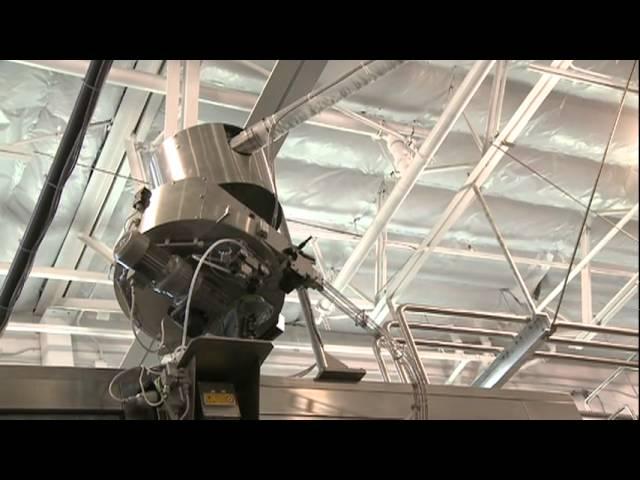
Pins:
<point x="183" y="91"/>
<point x="498" y="376"/>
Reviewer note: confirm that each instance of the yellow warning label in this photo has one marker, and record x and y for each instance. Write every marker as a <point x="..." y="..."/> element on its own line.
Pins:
<point x="215" y="398"/>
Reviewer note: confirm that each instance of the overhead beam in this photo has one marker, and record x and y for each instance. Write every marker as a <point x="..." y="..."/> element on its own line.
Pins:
<point x="419" y="161"/>
<point x="303" y="228"/>
<point x="87" y="304"/>
<point x="618" y="301"/>
<point x="613" y="306"/>
<point x="67" y="274"/>
<point x="54" y="329"/>
<point x="581" y="76"/>
<point x="458" y="205"/>
<point x="586" y="300"/>
<point x="288" y="81"/>
<point x="587" y="258"/>
<point x="495" y="103"/>
<point x="213" y="95"/>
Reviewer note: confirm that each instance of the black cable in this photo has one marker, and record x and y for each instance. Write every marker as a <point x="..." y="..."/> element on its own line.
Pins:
<point x="49" y="198"/>
<point x="593" y="193"/>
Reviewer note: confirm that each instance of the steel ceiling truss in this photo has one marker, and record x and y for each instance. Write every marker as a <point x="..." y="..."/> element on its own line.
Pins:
<point x="495" y="143"/>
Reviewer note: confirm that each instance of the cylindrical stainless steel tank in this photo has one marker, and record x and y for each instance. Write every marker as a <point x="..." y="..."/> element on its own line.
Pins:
<point x="203" y="192"/>
<point x="203" y="151"/>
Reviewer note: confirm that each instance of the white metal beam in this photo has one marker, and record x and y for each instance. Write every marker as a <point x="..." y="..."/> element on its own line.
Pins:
<point x="213" y="95"/>
<point x="425" y="154"/>
<point x="495" y="103"/>
<point x="53" y="329"/>
<point x="586" y="301"/>
<point x="587" y="258"/>
<point x="98" y="247"/>
<point x="56" y="273"/>
<point x="514" y="269"/>
<point x="381" y="249"/>
<point x="172" y="100"/>
<point x="613" y="306"/>
<point x="619" y="300"/>
<point x="584" y="76"/>
<point x="456" y="372"/>
<point x="87" y="304"/>
<point x="465" y="195"/>
<point x="190" y="93"/>
<point x="302" y="228"/>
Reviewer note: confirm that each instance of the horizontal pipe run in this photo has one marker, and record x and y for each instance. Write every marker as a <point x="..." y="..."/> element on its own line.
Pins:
<point x="590" y="78"/>
<point x="413" y="308"/>
<point x="550" y="355"/>
<point x="498" y="333"/>
<point x="597" y="329"/>
<point x="592" y="344"/>
<point x="454" y="312"/>
<point x="614" y="362"/>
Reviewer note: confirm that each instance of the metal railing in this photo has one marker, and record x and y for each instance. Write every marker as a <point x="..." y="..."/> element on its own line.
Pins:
<point x="398" y="320"/>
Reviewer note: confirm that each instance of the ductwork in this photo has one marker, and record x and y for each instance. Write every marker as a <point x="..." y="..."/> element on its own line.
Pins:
<point x="274" y="127"/>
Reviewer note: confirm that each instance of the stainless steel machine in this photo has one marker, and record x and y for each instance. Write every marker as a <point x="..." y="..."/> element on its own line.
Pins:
<point x="202" y="253"/>
<point x="203" y="269"/>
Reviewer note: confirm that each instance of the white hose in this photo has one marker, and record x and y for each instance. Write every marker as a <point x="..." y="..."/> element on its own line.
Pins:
<point x="195" y="278"/>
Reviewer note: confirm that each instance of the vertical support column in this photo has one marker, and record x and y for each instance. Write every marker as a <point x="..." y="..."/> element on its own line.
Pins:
<point x="190" y="93"/>
<point x="585" y="278"/>
<point x="381" y="250"/>
<point x="56" y="350"/>
<point x="172" y="100"/>
<point x="495" y="105"/>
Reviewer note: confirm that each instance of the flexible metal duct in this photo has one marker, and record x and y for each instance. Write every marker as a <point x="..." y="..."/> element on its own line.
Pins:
<point x="274" y="127"/>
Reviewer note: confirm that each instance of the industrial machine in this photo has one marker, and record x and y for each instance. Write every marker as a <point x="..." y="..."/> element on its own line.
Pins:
<point x="203" y="269"/>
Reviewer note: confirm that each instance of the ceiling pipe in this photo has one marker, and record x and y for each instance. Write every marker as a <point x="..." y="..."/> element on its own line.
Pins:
<point x="276" y="126"/>
<point x="506" y="317"/>
<point x="505" y="334"/>
<point x="61" y="169"/>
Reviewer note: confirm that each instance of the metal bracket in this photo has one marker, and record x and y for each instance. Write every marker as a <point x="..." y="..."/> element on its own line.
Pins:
<point x="507" y="363"/>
